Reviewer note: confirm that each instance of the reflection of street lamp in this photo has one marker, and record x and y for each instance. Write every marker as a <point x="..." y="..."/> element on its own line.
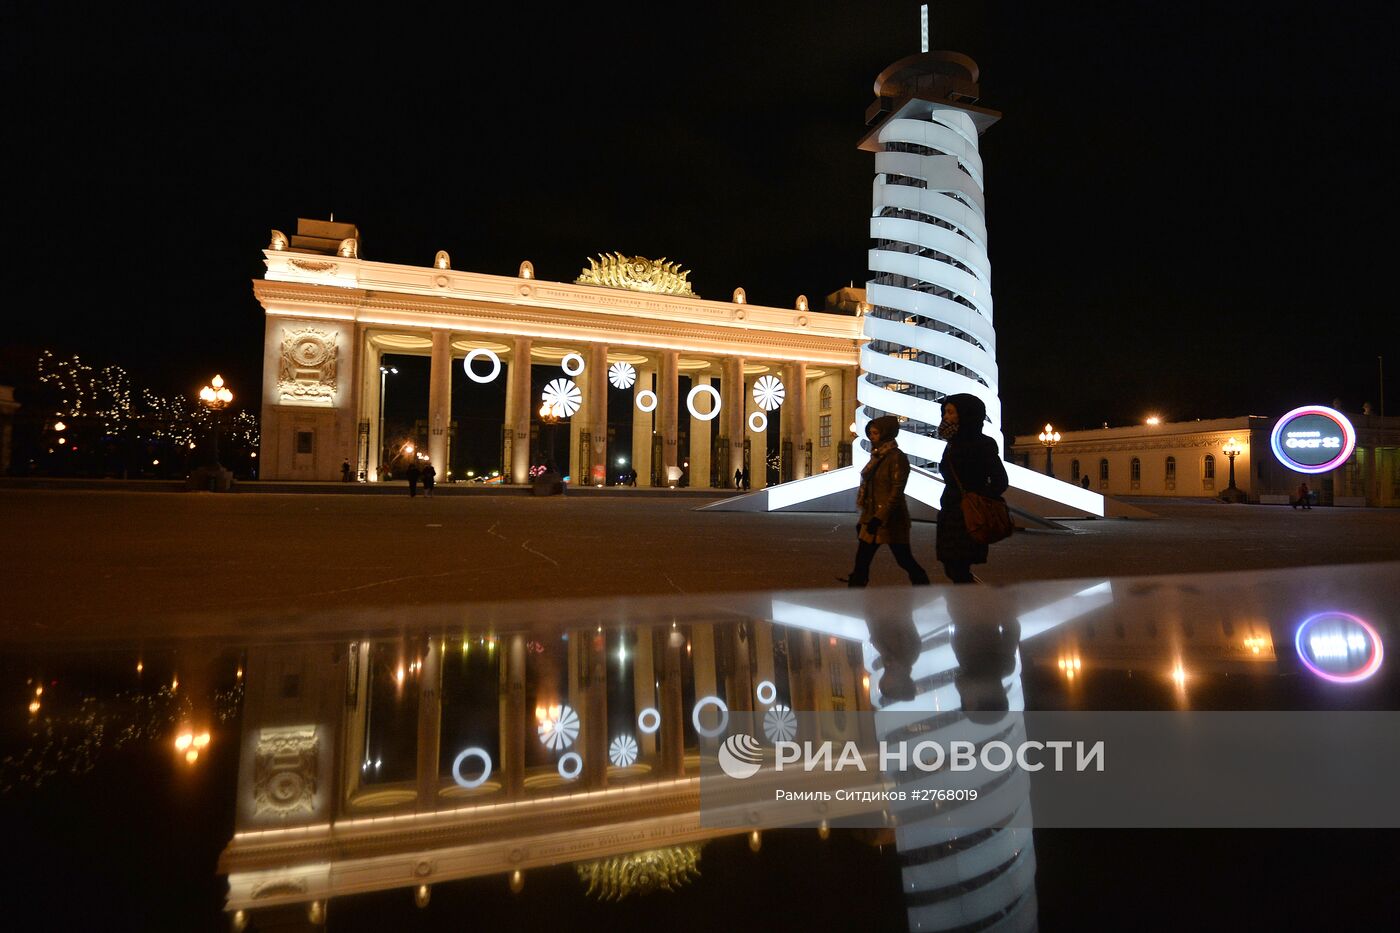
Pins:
<point x="215" y="397"/>
<point x="1049" y="437"/>
<point x="384" y="373"/>
<point x="1232" y="449"/>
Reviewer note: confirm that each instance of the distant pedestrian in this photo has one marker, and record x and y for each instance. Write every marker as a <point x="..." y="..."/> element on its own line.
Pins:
<point x="971" y="463"/>
<point x="413" y="474"/>
<point x="429" y="478"/>
<point x="746" y="479"/>
<point x="738" y="478"/>
<point x="884" y="512"/>
<point x="1304" y="498"/>
<point x="1084" y="481"/>
<point x="345" y="472"/>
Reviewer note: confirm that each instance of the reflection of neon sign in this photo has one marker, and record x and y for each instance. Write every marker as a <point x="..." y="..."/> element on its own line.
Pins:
<point x="1313" y="439"/>
<point x="1339" y="647"/>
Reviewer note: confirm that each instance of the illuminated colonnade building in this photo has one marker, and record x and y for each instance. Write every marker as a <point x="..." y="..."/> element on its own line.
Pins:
<point x="626" y="322"/>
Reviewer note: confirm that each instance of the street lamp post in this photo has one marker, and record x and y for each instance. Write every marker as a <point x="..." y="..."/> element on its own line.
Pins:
<point x="549" y="417"/>
<point x="1049" y="437"/>
<point x="384" y="373"/>
<point x="1232" y="449"/>
<point x="215" y="397"/>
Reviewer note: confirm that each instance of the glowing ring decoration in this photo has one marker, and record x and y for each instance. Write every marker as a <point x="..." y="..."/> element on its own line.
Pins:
<point x="563" y="396"/>
<point x="570" y="757"/>
<point x="760" y="425"/>
<point x="1321" y="411"/>
<point x="768" y="392"/>
<point x="622" y="375"/>
<point x="653" y="716"/>
<point x="766" y="692"/>
<point x="491" y="356"/>
<point x="650" y="396"/>
<point x="571" y="357"/>
<point x="690" y="402"/>
<point x="472" y="752"/>
<point x="1368" y="634"/>
<point x="718" y="704"/>
<point x="623" y="751"/>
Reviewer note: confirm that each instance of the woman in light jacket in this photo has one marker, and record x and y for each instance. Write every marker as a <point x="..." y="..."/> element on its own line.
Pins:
<point x="971" y="463"/>
<point x="884" y="513"/>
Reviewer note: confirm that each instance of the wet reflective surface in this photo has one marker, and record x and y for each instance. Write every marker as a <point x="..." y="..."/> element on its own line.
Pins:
<point x="537" y="763"/>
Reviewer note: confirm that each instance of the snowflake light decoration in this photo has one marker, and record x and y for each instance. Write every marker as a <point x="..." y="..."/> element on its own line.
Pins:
<point x="779" y="724"/>
<point x="562" y="396"/>
<point x="768" y="392"/>
<point x="623" y="751"/>
<point x="560" y="731"/>
<point x="622" y="375"/>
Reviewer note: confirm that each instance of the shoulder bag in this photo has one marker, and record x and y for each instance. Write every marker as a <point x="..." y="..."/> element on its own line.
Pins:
<point x="987" y="519"/>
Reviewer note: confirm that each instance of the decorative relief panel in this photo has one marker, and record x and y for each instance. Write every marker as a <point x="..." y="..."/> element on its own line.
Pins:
<point x="307" y="373"/>
<point x="284" y="772"/>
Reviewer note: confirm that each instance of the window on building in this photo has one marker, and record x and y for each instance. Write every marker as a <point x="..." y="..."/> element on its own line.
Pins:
<point x="1171" y="468"/>
<point x="1135" y="472"/>
<point x="826" y="398"/>
<point x="305" y="440"/>
<point x="824" y="430"/>
<point x="1103" y="470"/>
<point x="1208" y="471"/>
<point x="1074" y="471"/>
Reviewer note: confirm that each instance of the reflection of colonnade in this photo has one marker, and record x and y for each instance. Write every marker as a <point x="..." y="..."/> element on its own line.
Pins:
<point x="352" y="775"/>
<point x="332" y="318"/>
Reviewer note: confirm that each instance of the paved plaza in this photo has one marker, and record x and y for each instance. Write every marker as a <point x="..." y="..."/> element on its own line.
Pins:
<point x="86" y="563"/>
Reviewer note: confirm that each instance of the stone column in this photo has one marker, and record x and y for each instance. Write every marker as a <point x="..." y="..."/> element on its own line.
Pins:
<point x="592" y="700"/>
<point x="795" y="415"/>
<point x="667" y="388"/>
<point x="514" y="722"/>
<point x="429" y="725"/>
<point x="641" y="430"/>
<point x="845" y="410"/>
<point x="673" y="713"/>
<point x="644" y="689"/>
<point x="596" y="379"/>
<point x="732" y="390"/>
<point x="578" y="426"/>
<point x="518" y="408"/>
<point x="440" y="402"/>
<point x="372" y="358"/>
<point x="758" y="442"/>
<point x="700" y="438"/>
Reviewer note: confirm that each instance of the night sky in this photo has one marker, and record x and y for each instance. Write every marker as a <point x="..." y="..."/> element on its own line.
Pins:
<point x="1189" y="204"/>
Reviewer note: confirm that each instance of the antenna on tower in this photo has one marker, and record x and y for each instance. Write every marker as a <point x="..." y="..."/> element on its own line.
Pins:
<point x="923" y="27"/>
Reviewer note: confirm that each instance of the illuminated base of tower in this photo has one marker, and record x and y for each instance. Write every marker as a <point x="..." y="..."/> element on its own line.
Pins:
<point x="1034" y="498"/>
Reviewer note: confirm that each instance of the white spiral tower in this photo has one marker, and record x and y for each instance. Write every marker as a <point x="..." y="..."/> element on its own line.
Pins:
<point x="930" y="320"/>
<point x="928" y="326"/>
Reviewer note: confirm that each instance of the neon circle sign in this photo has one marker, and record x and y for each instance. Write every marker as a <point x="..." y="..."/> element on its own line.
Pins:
<point x="1313" y="439"/>
<point x="1339" y="647"/>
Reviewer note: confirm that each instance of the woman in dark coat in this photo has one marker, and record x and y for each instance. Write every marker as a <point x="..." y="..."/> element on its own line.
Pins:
<point x="884" y="512"/>
<point x="970" y="458"/>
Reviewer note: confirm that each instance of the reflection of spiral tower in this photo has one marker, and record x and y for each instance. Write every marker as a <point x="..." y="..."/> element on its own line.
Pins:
<point x="971" y="867"/>
<point x="930" y="323"/>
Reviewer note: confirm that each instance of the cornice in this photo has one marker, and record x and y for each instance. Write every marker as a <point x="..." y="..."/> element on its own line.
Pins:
<point x="412" y="282"/>
<point x="299" y="299"/>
